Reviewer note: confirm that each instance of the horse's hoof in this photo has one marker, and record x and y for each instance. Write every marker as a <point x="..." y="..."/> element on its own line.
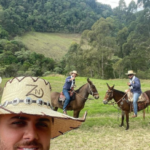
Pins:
<point x="127" y="128"/>
<point x="120" y="125"/>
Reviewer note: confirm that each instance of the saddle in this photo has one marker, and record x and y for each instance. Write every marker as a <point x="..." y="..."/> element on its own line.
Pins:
<point x="142" y="101"/>
<point x="62" y="97"/>
<point x="142" y="98"/>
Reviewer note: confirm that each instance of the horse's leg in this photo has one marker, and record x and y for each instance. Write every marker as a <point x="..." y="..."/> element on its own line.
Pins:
<point x="127" y="120"/>
<point x="56" y="108"/>
<point x="76" y="113"/>
<point x="122" y="119"/>
<point x="144" y="114"/>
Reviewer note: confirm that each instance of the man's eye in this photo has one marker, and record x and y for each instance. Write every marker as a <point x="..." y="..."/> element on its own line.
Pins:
<point x="20" y="123"/>
<point x="43" y="125"/>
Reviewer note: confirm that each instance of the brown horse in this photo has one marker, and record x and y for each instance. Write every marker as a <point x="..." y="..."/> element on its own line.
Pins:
<point x="122" y="100"/>
<point x="81" y="95"/>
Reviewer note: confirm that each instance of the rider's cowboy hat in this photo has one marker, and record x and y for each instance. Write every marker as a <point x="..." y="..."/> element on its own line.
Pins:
<point x="31" y="95"/>
<point x="130" y="72"/>
<point x="74" y="72"/>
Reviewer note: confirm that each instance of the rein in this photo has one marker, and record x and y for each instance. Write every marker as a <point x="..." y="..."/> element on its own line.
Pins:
<point x="117" y="101"/>
<point x="118" y="108"/>
<point x="121" y="99"/>
<point x="92" y="93"/>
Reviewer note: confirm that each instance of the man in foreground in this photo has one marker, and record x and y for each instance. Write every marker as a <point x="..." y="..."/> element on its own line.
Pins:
<point x="27" y="121"/>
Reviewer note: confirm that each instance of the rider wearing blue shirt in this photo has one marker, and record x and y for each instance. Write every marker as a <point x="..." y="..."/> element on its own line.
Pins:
<point x="68" y="86"/>
<point x="135" y="87"/>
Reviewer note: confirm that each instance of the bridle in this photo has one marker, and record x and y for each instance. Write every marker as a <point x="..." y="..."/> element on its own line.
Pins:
<point x="113" y="103"/>
<point x="111" y="95"/>
<point x="92" y="93"/>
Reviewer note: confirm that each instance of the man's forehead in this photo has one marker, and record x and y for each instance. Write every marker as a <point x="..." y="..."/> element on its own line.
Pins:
<point x="24" y="117"/>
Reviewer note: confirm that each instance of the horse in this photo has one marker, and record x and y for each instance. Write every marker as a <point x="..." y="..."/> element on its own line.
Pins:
<point x="81" y="96"/>
<point x="122" y="100"/>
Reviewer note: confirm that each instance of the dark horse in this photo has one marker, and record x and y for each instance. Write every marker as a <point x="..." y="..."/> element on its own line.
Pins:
<point x="81" y="95"/>
<point x="122" y="100"/>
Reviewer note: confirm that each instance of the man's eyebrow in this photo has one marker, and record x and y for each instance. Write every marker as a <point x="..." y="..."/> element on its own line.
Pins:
<point x="44" y="119"/>
<point x="20" y="117"/>
<point x="27" y="118"/>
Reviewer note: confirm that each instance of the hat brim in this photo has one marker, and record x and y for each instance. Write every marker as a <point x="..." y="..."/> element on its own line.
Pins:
<point x="61" y="123"/>
<point x="74" y="73"/>
<point x="130" y="73"/>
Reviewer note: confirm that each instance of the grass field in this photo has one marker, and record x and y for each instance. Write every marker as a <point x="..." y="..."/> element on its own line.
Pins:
<point x="53" y="45"/>
<point x="101" y="129"/>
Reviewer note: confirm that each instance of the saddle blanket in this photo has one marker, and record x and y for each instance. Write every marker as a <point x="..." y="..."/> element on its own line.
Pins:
<point x="143" y="97"/>
<point x="62" y="97"/>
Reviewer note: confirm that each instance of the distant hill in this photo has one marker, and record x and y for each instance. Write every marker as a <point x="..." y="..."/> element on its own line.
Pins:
<point x="53" y="45"/>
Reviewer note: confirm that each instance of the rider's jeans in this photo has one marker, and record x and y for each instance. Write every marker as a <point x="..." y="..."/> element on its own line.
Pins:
<point x="135" y="99"/>
<point x="67" y="100"/>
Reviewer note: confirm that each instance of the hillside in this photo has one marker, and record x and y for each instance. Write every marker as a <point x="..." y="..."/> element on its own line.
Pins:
<point x="53" y="45"/>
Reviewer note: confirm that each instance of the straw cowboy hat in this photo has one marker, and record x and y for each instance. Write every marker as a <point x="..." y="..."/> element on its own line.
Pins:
<point x="75" y="72"/>
<point x="130" y="72"/>
<point x="31" y="95"/>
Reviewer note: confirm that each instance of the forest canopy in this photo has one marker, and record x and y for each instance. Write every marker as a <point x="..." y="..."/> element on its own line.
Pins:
<point x="19" y="16"/>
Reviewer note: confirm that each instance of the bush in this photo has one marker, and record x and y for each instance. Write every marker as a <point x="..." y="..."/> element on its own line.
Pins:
<point x="142" y="74"/>
<point x="2" y="72"/>
<point x="29" y="73"/>
<point x="46" y="73"/>
<point x="58" y="70"/>
<point x="20" y="73"/>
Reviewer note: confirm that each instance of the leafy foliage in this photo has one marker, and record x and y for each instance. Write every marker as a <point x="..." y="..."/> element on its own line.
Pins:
<point x="17" y="60"/>
<point x="20" y="16"/>
<point x="116" y="44"/>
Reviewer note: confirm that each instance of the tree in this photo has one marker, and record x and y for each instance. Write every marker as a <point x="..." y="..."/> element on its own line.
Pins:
<point x="102" y="44"/>
<point x="121" y="39"/>
<point x="145" y="3"/>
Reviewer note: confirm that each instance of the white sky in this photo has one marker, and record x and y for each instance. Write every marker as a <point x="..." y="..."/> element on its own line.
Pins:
<point x="114" y="3"/>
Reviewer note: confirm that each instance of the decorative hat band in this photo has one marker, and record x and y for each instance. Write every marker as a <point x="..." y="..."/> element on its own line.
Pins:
<point x="27" y="101"/>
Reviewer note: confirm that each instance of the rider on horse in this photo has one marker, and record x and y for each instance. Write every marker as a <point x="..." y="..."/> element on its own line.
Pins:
<point x="68" y="86"/>
<point x="135" y="88"/>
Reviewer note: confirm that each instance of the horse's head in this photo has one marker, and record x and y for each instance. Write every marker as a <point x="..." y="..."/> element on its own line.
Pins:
<point x="92" y="89"/>
<point x="108" y="95"/>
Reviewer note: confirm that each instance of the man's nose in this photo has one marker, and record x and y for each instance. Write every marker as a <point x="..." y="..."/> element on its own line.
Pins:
<point x="30" y="133"/>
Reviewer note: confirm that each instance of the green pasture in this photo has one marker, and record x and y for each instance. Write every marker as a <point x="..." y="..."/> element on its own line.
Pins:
<point x="53" y="45"/>
<point x="101" y="129"/>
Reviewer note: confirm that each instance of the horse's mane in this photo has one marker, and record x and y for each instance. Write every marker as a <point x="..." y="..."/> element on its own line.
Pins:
<point x="119" y="91"/>
<point x="77" y="91"/>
